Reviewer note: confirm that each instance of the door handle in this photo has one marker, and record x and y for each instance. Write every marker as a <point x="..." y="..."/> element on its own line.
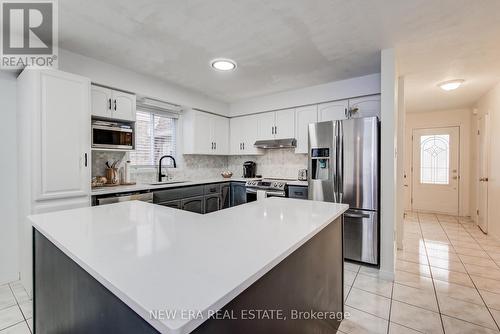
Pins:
<point x="85" y="159"/>
<point x="455" y="177"/>
<point x="356" y="215"/>
<point x="483" y="179"/>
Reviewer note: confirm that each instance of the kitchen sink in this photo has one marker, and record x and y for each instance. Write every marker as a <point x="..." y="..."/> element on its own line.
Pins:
<point x="166" y="182"/>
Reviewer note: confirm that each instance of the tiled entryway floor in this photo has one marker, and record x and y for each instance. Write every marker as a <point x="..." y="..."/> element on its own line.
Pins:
<point x="16" y="309"/>
<point x="447" y="281"/>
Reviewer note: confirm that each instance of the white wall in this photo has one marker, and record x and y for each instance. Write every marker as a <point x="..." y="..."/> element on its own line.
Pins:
<point x="118" y="77"/>
<point x="433" y="119"/>
<point x="388" y="157"/>
<point x="336" y="90"/>
<point x="9" y="270"/>
<point x="401" y="123"/>
<point x="489" y="103"/>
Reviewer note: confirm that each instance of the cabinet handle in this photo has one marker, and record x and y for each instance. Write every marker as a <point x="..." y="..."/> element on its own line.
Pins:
<point x="275" y="130"/>
<point x="215" y="145"/>
<point x="115" y="104"/>
<point x="85" y="155"/>
<point x="212" y="145"/>
<point x="272" y="130"/>
<point x="109" y="104"/>
<point x="243" y="146"/>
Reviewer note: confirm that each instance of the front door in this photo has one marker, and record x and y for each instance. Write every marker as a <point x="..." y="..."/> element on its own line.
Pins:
<point x="436" y="170"/>
<point x="482" y="172"/>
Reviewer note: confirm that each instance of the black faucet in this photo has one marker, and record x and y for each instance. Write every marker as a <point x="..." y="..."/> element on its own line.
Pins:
<point x="160" y="175"/>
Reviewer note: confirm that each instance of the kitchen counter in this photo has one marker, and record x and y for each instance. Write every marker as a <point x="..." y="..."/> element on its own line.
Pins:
<point x="157" y="258"/>
<point x="145" y="186"/>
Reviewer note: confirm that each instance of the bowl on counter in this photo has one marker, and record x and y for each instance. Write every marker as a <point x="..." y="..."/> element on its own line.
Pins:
<point x="226" y="174"/>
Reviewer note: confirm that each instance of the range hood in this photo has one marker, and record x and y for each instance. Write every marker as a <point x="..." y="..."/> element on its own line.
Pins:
<point x="276" y="143"/>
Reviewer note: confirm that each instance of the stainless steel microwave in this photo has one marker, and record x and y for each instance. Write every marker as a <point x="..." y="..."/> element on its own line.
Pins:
<point x="112" y="135"/>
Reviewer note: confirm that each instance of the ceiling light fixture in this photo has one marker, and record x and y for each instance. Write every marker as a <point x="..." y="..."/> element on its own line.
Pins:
<point x="222" y="64"/>
<point x="451" y="84"/>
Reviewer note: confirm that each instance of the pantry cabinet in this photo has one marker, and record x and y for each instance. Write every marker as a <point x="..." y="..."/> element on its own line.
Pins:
<point x="205" y="133"/>
<point x="243" y="134"/>
<point x="113" y="104"/>
<point x="276" y="124"/>
<point x="53" y="143"/>
<point x="303" y="117"/>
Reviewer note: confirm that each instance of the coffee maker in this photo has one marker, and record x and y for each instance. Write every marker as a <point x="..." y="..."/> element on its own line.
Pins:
<point x="249" y="168"/>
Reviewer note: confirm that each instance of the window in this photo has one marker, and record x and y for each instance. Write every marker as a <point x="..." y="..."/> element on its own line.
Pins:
<point x="155" y="136"/>
<point x="434" y="159"/>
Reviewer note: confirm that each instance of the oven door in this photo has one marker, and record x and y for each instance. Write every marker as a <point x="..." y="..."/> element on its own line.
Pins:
<point x="112" y="137"/>
<point x="251" y="195"/>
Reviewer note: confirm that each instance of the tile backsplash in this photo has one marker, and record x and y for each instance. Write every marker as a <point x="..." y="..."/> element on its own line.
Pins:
<point x="280" y="163"/>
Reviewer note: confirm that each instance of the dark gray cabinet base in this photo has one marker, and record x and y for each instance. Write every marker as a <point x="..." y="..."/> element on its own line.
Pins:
<point x="69" y="300"/>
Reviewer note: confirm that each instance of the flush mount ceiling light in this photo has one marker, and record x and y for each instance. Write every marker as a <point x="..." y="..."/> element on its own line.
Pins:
<point x="222" y="64"/>
<point x="451" y="84"/>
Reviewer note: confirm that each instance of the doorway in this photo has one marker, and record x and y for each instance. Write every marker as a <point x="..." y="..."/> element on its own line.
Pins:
<point x="482" y="171"/>
<point x="435" y="170"/>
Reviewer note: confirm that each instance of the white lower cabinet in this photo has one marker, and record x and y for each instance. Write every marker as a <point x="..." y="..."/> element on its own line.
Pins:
<point x="205" y="133"/>
<point x="53" y="148"/>
<point x="303" y="117"/>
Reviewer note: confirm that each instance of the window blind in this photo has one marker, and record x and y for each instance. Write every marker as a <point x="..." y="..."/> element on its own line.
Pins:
<point x="155" y="136"/>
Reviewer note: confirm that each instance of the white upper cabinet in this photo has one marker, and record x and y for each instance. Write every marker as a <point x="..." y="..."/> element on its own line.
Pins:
<point x="366" y="106"/>
<point x="113" y="104"/>
<point x="276" y="124"/>
<point x="205" y="133"/>
<point x="244" y="133"/>
<point x="59" y="105"/>
<point x="284" y="124"/>
<point x="332" y="111"/>
<point x="303" y="117"/>
<point x="101" y="101"/>
<point x="220" y="134"/>
<point x="124" y="105"/>
<point x="265" y="125"/>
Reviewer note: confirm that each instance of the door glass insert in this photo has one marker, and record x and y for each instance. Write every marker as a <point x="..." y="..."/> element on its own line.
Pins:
<point x="434" y="159"/>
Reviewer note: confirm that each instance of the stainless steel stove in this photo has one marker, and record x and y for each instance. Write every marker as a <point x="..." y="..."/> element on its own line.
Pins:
<point x="271" y="187"/>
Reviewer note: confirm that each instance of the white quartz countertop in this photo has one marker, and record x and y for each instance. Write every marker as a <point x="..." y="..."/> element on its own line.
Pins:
<point x="156" y="258"/>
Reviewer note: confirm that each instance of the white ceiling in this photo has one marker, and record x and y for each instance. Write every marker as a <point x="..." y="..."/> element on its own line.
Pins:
<point x="287" y="44"/>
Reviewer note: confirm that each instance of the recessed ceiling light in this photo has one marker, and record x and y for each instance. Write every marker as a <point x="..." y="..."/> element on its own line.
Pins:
<point x="451" y="84"/>
<point x="223" y="64"/>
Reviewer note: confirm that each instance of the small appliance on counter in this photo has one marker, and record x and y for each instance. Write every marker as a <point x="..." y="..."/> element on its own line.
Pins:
<point x="249" y="168"/>
<point x="302" y="175"/>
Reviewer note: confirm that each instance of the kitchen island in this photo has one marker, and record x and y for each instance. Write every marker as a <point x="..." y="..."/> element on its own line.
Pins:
<point x="135" y="267"/>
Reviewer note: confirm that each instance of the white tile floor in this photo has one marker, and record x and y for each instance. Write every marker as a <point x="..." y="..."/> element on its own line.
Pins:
<point x="447" y="281"/>
<point x="16" y="309"/>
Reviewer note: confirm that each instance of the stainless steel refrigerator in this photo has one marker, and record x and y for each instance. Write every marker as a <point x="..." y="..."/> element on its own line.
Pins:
<point x="344" y="168"/>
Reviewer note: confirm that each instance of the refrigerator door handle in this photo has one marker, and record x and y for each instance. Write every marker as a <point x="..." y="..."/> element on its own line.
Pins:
<point x="340" y="162"/>
<point x="334" y="161"/>
<point x="356" y="215"/>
